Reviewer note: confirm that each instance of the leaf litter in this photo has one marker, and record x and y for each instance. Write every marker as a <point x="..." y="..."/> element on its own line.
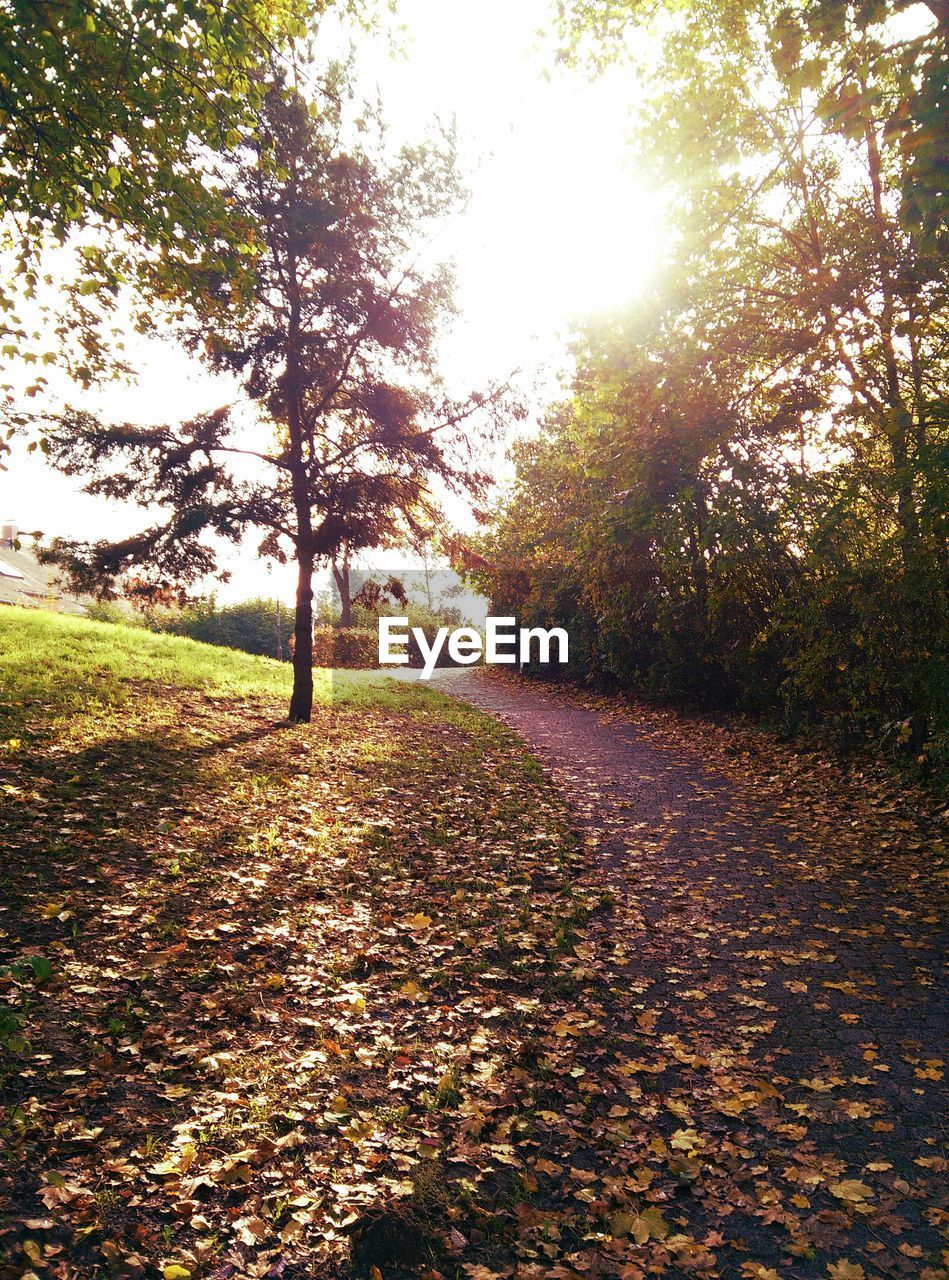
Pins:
<point x="357" y="998"/>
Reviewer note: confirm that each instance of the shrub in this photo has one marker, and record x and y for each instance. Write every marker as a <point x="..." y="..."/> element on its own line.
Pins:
<point x="251" y="625"/>
<point x="350" y="647"/>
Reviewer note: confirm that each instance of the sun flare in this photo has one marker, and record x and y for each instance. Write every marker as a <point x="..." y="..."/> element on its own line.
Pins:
<point x="559" y="223"/>
<point x="558" y="220"/>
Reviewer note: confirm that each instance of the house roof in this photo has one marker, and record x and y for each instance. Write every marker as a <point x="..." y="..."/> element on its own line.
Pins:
<point x="24" y="581"/>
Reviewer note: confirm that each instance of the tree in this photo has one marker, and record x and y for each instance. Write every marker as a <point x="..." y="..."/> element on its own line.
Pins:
<point x="108" y="114"/>
<point x="744" y="489"/>
<point x="595" y="32"/>
<point x="794" y="201"/>
<point x="806" y="167"/>
<point x="341" y="576"/>
<point x="100" y="106"/>
<point x="336" y="350"/>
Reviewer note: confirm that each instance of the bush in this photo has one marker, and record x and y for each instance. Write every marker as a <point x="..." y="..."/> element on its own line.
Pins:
<point x="358" y="648"/>
<point x="114" y="612"/>
<point x="251" y="625"/>
<point x="350" y="647"/>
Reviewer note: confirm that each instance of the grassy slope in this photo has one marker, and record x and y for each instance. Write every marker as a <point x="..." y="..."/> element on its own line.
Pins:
<point x="64" y="662"/>
<point x="282" y="959"/>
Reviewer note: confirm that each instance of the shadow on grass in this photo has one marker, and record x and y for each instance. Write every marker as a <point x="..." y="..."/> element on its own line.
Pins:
<point x="272" y="950"/>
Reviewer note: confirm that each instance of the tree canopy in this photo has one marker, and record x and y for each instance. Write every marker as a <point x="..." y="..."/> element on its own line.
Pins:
<point x="110" y="119"/>
<point x="898" y="73"/>
<point x="743" y="497"/>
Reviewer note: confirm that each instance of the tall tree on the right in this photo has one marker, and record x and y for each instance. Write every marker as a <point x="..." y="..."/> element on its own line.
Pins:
<point x="771" y="430"/>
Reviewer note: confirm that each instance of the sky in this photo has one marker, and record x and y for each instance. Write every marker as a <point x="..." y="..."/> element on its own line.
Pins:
<point x="558" y="225"/>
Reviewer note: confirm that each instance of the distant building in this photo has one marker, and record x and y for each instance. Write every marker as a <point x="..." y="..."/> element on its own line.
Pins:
<point x="24" y="581"/>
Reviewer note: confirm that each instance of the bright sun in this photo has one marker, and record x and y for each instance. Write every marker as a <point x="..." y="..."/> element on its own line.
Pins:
<point x="559" y="224"/>
<point x="558" y="220"/>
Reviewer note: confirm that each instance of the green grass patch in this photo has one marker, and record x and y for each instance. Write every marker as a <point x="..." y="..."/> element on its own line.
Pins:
<point x="54" y="665"/>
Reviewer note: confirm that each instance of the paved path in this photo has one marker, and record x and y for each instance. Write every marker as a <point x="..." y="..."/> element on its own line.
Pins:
<point x="768" y="940"/>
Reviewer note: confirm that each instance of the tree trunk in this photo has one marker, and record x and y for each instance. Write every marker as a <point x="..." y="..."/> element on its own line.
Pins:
<point x="301" y="701"/>
<point x="341" y="578"/>
<point x="899" y="424"/>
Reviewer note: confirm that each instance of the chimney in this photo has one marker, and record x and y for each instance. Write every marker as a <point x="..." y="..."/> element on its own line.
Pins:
<point x="8" y="534"/>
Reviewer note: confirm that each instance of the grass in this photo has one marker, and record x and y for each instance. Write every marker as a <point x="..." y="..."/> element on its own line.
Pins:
<point x="60" y="664"/>
<point x="65" y="662"/>
<point x="54" y="667"/>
